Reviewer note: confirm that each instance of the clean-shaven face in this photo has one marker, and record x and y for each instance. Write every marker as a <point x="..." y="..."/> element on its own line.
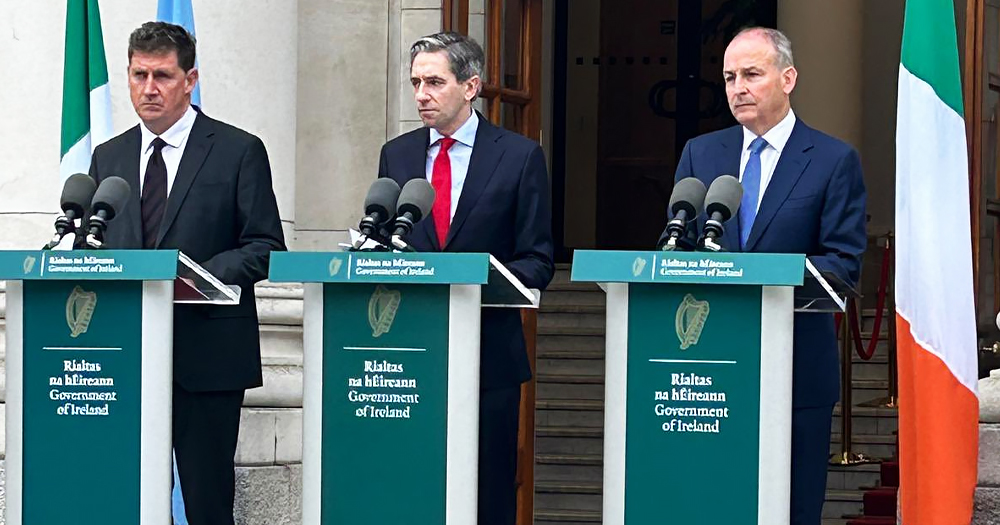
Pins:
<point x="444" y="103"/>
<point x="160" y="89"/>
<point x="757" y="89"/>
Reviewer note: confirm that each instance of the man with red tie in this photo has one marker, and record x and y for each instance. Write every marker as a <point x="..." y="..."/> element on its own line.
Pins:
<point x="492" y="196"/>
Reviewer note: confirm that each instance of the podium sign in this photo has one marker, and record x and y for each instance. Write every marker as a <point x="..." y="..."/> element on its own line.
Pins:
<point x="698" y="386"/>
<point x="88" y="386"/>
<point x="391" y="375"/>
<point x="385" y="393"/>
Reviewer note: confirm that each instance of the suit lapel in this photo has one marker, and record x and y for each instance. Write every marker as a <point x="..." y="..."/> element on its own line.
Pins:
<point x="728" y="163"/>
<point x="486" y="155"/>
<point x="131" y="221"/>
<point x="199" y="143"/>
<point x="791" y="164"/>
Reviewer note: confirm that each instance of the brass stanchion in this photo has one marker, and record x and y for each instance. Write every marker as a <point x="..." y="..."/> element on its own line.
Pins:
<point x="890" y="401"/>
<point x="846" y="457"/>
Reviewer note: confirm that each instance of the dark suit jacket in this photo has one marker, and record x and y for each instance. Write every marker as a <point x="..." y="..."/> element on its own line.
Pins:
<point x="504" y="210"/>
<point x="814" y="205"/>
<point x="221" y="211"/>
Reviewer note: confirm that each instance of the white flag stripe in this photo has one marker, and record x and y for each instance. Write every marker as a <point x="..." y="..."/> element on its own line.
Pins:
<point x="934" y="257"/>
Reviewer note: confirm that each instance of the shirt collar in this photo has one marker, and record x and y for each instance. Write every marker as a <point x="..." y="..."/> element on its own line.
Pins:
<point x="175" y="135"/>
<point x="777" y="136"/>
<point x="466" y="134"/>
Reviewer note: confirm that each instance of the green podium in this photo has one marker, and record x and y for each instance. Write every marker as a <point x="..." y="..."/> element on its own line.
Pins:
<point x="698" y="390"/>
<point x="391" y="382"/>
<point x="89" y="381"/>
<point x="89" y="338"/>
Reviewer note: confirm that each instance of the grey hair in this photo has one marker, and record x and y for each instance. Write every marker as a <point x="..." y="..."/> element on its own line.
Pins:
<point x="465" y="57"/>
<point x="781" y="44"/>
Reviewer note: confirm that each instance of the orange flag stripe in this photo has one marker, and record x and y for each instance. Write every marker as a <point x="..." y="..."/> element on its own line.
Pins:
<point x="936" y="413"/>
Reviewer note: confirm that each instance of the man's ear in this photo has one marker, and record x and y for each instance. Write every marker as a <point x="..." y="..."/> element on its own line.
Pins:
<point x="472" y="87"/>
<point x="190" y="80"/>
<point x="788" y="78"/>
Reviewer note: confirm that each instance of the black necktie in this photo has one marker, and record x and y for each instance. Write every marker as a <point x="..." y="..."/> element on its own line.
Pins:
<point x="154" y="195"/>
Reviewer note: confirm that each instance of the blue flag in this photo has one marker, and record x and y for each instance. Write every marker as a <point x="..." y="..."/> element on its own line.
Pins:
<point x="179" y="12"/>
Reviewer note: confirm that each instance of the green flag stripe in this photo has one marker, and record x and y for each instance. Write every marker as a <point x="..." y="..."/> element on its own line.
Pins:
<point x="95" y="37"/>
<point x="76" y="88"/>
<point x="930" y="48"/>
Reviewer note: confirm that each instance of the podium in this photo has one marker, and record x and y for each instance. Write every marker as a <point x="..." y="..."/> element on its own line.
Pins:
<point x="698" y="390"/>
<point x="391" y="382"/>
<point x="89" y="382"/>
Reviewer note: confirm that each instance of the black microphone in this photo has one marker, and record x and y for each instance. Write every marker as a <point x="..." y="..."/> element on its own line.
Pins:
<point x="415" y="202"/>
<point x="75" y="203"/>
<point x="721" y="202"/>
<point x="111" y="197"/>
<point x="379" y="205"/>
<point x="686" y="200"/>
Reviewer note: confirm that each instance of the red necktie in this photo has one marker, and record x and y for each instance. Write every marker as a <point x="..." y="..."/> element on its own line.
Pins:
<point x="441" y="180"/>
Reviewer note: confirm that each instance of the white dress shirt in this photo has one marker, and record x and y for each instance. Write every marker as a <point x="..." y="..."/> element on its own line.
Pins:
<point x="776" y="139"/>
<point x="459" y="155"/>
<point x="176" y="138"/>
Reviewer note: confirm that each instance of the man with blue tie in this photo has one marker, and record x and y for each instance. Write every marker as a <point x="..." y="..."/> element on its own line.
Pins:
<point x="491" y="196"/>
<point x="803" y="192"/>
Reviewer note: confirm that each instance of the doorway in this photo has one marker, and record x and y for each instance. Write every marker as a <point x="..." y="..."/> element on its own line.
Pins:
<point x="633" y="81"/>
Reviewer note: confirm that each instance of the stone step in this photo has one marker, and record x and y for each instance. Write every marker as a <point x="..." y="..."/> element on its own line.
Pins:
<point x="590" y="318"/>
<point x="566" y="517"/>
<point x="571" y="309"/>
<point x="567" y="440"/>
<point x="556" y="329"/>
<point x="560" y="285"/>
<point x="853" y="477"/>
<point x="564" y="503"/>
<point x="556" y="298"/>
<point x="548" y="365"/>
<point x="871" y="445"/>
<point x="562" y="495"/>
<point x="563" y="343"/>
<point x="869" y="420"/>
<point x="840" y="503"/>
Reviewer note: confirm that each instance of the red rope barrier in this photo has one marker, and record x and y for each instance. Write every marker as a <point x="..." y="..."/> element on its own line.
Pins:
<point x="859" y="346"/>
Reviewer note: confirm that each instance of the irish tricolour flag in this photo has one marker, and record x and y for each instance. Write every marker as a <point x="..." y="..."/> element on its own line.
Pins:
<point x="86" y="109"/>
<point x="936" y="329"/>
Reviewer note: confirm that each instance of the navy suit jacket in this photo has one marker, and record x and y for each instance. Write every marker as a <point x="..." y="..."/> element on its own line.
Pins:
<point x="814" y="205"/>
<point x="504" y="210"/>
<point x="222" y="212"/>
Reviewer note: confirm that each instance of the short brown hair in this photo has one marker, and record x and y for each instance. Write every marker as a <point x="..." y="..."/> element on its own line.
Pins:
<point x="163" y="37"/>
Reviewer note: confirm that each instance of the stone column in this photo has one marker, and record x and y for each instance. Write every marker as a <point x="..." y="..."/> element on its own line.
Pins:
<point x="341" y="115"/>
<point x="988" y="489"/>
<point x="827" y="44"/>
<point x="408" y="21"/>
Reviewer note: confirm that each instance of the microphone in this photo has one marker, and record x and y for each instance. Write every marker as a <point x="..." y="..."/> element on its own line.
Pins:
<point x="111" y="197"/>
<point x="379" y="205"/>
<point x="415" y="202"/>
<point x="75" y="202"/>
<point x="687" y="198"/>
<point x="721" y="202"/>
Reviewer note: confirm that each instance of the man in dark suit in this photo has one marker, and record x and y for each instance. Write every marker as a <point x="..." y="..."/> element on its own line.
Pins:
<point x="203" y="187"/>
<point x="491" y="196"/>
<point x="802" y="193"/>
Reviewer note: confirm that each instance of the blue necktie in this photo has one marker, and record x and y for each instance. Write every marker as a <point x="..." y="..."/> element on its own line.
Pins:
<point x="751" y="190"/>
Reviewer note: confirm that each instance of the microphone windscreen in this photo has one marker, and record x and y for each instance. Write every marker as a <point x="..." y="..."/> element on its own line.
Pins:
<point x="111" y="197"/>
<point x="417" y="198"/>
<point x="688" y="195"/>
<point x="77" y="194"/>
<point x="381" y="198"/>
<point x="724" y="197"/>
